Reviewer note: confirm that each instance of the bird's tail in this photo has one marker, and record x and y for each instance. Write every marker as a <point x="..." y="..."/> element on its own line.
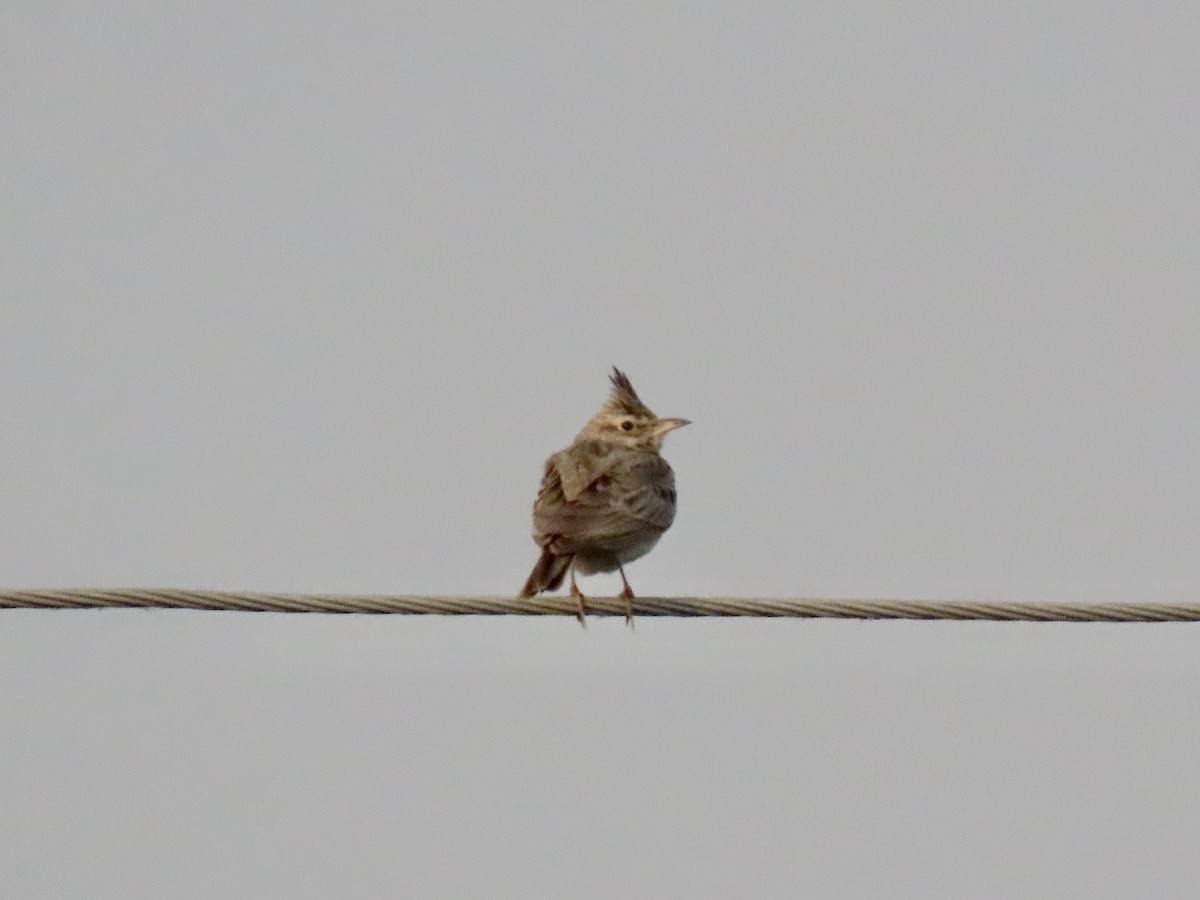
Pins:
<point x="548" y="573"/>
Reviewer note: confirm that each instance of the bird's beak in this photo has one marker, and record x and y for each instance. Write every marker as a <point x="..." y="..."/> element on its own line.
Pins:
<point x="662" y="426"/>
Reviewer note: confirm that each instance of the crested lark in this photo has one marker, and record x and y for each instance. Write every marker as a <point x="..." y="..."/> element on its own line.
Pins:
<point x="606" y="499"/>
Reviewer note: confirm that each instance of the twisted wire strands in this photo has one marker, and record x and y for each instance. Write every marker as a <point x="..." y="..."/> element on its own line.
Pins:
<point x="170" y="598"/>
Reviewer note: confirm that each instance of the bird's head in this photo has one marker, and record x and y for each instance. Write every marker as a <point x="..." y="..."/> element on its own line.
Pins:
<point x="624" y="419"/>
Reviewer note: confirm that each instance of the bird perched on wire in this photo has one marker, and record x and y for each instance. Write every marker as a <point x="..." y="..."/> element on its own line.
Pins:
<point x="605" y="500"/>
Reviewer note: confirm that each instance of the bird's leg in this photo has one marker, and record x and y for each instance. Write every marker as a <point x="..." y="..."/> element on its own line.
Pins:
<point x="627" y="596"/>
<point x="578" y="595"/>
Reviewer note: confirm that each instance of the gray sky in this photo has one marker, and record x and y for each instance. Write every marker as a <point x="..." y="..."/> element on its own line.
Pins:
<point x="301" y="300"/>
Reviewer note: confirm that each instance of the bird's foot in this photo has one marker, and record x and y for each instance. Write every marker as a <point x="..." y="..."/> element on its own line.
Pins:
<point x="627" y="595"/>
<point x="581" y="612"/>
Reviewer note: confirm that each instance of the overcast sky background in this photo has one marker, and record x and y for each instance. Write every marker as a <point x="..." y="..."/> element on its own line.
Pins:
<point x="300" y="300"/>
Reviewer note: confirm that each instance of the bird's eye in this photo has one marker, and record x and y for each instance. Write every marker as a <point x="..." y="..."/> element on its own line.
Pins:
<point x="627" y="425"/>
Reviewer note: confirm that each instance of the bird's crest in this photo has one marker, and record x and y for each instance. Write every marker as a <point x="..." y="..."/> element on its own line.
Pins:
<point x="624" y="399"/>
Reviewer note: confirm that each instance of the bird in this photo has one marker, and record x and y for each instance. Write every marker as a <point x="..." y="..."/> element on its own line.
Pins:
<point x="605" y="500"/>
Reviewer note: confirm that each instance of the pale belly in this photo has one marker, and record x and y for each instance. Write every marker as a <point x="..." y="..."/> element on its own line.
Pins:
<point x="595" y="559"/>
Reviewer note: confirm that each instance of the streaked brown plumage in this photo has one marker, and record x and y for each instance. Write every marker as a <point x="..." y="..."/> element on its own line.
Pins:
<point x="606" y="499"/>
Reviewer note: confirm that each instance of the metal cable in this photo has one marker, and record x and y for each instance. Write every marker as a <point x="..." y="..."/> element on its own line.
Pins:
<point x="171" y="598"/>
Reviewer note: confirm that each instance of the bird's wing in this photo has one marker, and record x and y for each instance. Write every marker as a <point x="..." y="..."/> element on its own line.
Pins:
<point x="582" y="464"/>
<point x="611" y="494"/>
<point x="649" y="492"/>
